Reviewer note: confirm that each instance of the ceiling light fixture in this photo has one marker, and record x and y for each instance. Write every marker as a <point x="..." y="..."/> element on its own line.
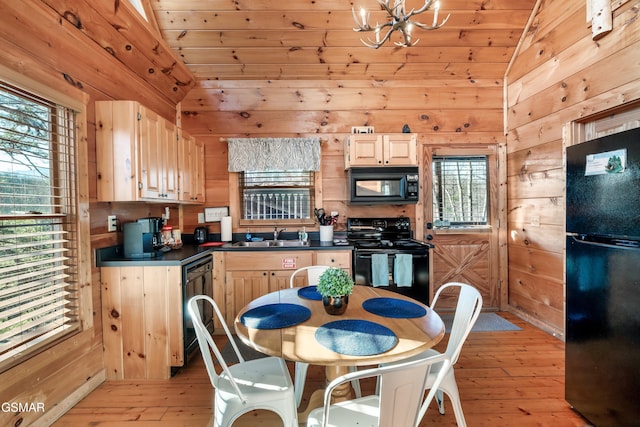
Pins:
<point x="397" y="20"/>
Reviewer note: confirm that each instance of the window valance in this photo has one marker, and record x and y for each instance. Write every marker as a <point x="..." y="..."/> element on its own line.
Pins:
<point x="267" y="154"/>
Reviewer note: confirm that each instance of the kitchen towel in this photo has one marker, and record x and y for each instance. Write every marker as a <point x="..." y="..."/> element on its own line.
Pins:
<point x="403" y="270"/>
<point x="380" y="270"/>
<point x="226" y="234"/>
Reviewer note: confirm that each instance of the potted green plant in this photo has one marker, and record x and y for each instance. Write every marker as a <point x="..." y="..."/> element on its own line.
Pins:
<point x="335" y="285"/>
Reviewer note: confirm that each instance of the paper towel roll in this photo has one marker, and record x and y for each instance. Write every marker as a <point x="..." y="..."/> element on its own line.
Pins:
<point x="226" y="234"/>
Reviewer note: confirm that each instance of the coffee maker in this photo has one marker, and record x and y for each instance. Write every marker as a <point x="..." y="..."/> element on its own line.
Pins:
<point x="142" y="238"/>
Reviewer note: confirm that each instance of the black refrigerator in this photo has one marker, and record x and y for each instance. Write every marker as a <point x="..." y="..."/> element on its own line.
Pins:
<point x="602" y="363"/>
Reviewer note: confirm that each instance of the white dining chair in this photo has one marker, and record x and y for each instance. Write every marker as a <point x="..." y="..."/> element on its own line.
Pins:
<point x="396" y="404"/>
<point x="467" y="310"/>
<point x="313" y="273"/>
<point x="262" y="383"/>
<point x="300" y="375"/>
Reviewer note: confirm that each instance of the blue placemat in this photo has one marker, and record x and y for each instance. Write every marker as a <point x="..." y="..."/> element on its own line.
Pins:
<point x="394" y="307"/>
<point x="310" y="292"/>
<point x="275" y="316"/>
<point x="356" y="337"/>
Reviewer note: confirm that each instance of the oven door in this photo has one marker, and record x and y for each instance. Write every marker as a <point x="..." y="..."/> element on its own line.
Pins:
<point x="419" y="289"/>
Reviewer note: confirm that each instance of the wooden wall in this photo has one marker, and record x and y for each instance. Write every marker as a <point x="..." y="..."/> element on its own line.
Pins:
<point x="453" y="110"/>
<point x="560" y="75"/>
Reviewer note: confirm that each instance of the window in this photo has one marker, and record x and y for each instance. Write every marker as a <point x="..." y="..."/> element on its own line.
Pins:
<point x="38" y="235"/>
<point x="460" y="191"/>
<point x="277" y="195"/>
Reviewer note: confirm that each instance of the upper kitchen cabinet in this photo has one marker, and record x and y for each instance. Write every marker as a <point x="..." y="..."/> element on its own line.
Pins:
<point x="370" y="149"/>
<point x="137" y="153"/>
<point x="191" y="169"/>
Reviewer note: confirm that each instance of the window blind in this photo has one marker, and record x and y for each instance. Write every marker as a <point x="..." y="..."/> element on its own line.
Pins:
<point x="38" y="268"/>
<point x="460" y="190"/>
<point x="273" y="195"/>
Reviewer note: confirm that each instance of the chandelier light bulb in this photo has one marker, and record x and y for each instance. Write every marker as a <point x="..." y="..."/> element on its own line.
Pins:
<point x="363" y="14"/>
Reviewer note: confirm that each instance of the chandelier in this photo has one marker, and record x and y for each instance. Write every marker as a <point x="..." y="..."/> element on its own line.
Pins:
<point x="397" y="20"/>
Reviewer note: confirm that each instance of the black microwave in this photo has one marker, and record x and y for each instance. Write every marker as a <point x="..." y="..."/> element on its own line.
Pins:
<point x="384" y="185"/>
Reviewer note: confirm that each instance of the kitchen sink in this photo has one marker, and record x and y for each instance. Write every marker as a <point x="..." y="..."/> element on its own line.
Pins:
<point x="291" y="243"/>
<point x="269" y="243"/>
<point x="260" y="244"/>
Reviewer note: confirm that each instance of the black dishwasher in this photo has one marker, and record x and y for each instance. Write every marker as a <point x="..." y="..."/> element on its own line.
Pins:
<point x="197" y="279"/>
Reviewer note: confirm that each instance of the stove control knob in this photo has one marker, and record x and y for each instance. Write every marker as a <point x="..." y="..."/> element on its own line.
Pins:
<point x="402" y="224"/>
<point x="429" y="237"/>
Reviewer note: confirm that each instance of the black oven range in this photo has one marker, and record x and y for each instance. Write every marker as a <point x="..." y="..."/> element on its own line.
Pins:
<point x="387" y="256"/>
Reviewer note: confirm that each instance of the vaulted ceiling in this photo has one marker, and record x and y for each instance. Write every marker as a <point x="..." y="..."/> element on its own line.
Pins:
<point x="314" y="39"/>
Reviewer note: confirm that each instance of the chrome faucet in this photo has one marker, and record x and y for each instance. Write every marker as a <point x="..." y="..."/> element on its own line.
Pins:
<point x="277" y="232"/>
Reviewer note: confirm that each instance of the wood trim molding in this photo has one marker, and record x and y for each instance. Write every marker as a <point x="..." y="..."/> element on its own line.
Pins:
<point x="53" y="414"/>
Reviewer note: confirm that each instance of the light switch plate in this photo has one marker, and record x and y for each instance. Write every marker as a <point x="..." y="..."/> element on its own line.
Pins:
<point x="215" y="214"/>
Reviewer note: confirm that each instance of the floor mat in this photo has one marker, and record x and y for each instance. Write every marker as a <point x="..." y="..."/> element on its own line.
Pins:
<point x="487" y="322"/>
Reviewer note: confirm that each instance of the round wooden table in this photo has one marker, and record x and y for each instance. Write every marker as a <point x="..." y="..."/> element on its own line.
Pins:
<point x="298" y="343"/>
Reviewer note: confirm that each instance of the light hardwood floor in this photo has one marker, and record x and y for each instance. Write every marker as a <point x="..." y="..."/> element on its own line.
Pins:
<point x="505" y="379"/>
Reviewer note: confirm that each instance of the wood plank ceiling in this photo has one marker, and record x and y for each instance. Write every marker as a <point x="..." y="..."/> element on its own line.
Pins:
<point x="314" y="40"/>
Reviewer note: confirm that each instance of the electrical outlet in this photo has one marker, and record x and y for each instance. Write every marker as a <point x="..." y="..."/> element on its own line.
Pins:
<point x="200" y="217"/>
<point x="112" y="223"/>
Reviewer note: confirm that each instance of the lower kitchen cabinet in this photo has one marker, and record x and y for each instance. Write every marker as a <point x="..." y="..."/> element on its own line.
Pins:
<point x="142" y="321"/>
<point x="251" y="274"/>
<point x="340" y="259"/>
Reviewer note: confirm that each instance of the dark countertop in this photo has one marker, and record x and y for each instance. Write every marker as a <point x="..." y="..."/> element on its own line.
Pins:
<point x="314" y="245"/>
<point x="112" y="256"/>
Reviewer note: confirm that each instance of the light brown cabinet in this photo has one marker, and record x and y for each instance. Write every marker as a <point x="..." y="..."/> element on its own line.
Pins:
<point x="340" y="259"/>
<point x="142" y="321"/>
<point x="371" y="149"/>
<point x="190" y="169"/>
<point x="251" y="274"/>
<point x="136" y="153"/>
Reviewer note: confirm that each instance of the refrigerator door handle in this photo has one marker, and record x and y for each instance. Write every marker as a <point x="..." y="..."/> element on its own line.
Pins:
<point x="604" y="241"/>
